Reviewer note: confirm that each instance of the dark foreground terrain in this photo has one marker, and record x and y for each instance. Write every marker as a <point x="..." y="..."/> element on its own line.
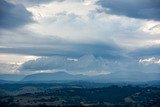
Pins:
<point x="78" y="94"/>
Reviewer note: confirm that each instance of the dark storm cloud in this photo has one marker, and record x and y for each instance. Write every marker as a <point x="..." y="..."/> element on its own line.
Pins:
<point x="142" y="9"/>
<point x="110" y="50"/>
<point x="13" y="15"/>
<point x="70" y="50"/>
<point x="146" y="52"/>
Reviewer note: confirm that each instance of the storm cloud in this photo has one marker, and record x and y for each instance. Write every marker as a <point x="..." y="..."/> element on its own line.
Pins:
<point x="149" y="51"/>
<point x="142" y="9"/>
<point x="88" y="64"/>
<point x="84" y="63"/>
<point x="13" y="15"/>
<point x="110" y="51"/>
<point x="73" y="35"/>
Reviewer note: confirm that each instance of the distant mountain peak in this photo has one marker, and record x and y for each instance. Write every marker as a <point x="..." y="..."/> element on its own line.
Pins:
<point x="60" y="75"/>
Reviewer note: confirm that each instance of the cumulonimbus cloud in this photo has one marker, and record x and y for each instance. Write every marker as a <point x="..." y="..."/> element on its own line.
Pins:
<point x="87" y="63"/>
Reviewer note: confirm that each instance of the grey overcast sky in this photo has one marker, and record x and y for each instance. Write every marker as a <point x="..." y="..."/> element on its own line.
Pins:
<point x="79" y="36"/>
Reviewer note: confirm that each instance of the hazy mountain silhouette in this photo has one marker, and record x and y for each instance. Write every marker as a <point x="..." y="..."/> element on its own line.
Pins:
<point x="113" y="77"/>
<point x="53" y="76"/>
<point x="12" y="77"/>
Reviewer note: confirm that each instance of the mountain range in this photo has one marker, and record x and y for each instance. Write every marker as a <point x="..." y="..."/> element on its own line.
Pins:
<point x="64" y="76"/>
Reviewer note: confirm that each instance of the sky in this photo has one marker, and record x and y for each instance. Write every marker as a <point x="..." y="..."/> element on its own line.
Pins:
<point x="89" y="37"/>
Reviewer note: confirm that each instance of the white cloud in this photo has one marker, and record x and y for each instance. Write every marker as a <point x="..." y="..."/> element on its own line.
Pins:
<point x="43" y="11"/>
<point x="9" y="63"/>
<point x="151" y="27"/>
<point x="149" y="61"/>
<point x="15" y="58"/>
<point x="8" y="68"/>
